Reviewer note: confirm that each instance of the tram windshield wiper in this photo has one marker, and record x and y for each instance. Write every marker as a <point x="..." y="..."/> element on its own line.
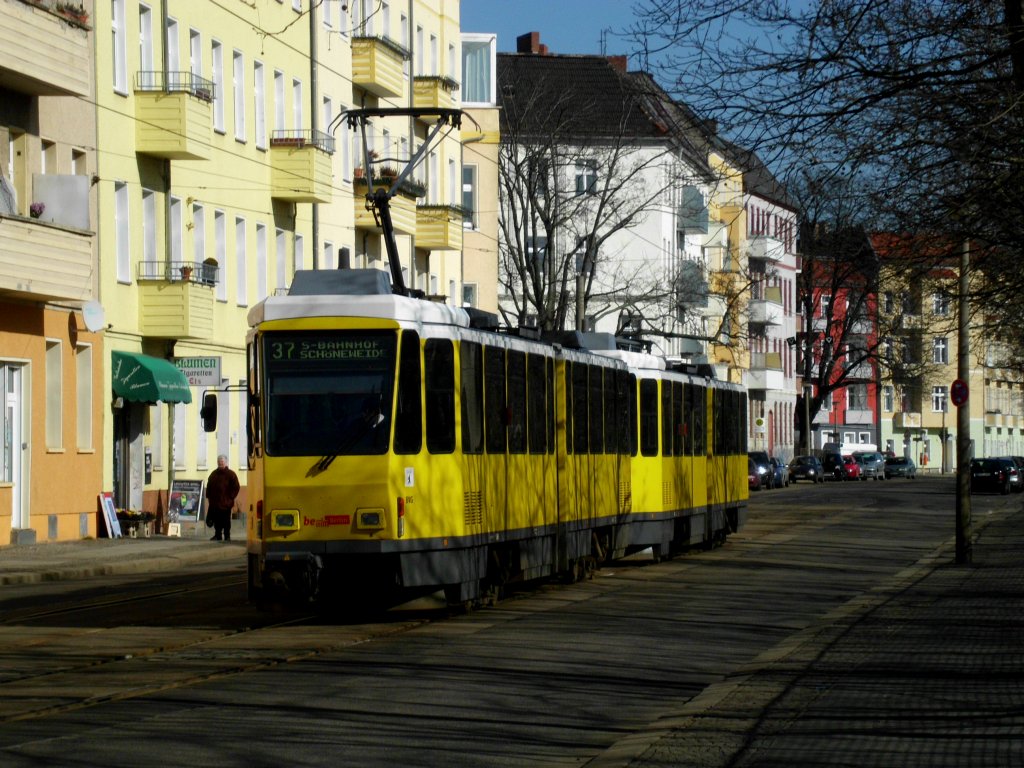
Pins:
<point x="369" y="419"/>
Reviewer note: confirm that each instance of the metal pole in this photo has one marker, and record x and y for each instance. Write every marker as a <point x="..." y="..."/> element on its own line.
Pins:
<point x="963" y="419"/>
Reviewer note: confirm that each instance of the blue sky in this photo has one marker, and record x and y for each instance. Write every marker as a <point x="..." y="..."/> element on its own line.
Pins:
<point x="565" y="26"/>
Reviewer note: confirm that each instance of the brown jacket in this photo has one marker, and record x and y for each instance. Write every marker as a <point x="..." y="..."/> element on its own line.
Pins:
<point x="222" y="488"/>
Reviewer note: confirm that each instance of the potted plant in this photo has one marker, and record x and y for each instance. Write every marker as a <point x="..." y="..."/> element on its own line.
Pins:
<point x="186" y="272"/>
<point x="36" y="210"/>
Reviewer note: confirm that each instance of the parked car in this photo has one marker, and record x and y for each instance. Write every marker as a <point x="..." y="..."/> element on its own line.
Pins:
<point x="851" y="469"/>
<point x="833" y="465"/>
<point x="780" y="474"/>
<point x="998" y="475"/>
<point x="1017" y="478"/>
<point x="764" y="468"/>
<point x="806" y="468"/>
<point x="900" y="466"/>
<point x="753" y="477"/>
<point x="871" y="464"/>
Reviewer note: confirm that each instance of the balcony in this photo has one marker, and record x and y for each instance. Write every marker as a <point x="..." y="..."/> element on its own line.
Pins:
<point x="377" y="65"/>
<point x="906" y="420"/>
<point x="43" y="53"/>
<point x="765" y="249"/>
<point x="45" y="262"/>
<point x="439" y="227"/>
<point x="300" y="166"/>
<point x="766" y="371"/>
<point x="859" y="416"/>
<point x="176" y="299"/>
<point x="768" y="309"/>
<point x="909" y="322"/>
<point x="173" y="115"/>
<point x="994" y="419"/>
<point x="434" y="92"/>
<point x="403" y="211"/>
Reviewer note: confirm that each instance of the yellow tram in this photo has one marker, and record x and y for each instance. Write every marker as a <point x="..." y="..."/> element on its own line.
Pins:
<point x="396" y="444"/>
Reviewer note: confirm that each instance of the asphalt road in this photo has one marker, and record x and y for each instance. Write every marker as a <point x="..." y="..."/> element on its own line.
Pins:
<point x="175" y="669"/>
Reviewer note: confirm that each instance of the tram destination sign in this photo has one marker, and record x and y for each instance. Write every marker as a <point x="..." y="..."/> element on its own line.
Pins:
<point x="200" y="371"/>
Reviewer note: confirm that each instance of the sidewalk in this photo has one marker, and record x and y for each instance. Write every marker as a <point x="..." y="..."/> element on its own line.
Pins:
<point x="926" y="670"/>
<point x="26" y="564"/>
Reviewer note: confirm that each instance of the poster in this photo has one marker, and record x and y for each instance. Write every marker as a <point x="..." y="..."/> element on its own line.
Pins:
<point x="109" y="515"/>
<point x="186" y="500"/>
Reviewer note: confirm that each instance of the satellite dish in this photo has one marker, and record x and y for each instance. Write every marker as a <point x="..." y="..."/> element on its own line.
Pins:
<point x="92" y="313"/>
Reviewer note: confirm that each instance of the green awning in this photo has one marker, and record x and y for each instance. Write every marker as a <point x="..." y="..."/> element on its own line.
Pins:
<point x="145" y="379"/>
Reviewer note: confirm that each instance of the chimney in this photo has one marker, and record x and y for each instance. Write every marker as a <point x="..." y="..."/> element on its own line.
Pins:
<point x="530" y="43"/>
<point x="618" y="63"/>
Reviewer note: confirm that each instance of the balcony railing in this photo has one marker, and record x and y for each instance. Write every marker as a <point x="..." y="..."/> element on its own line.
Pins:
<point x="179" y="272"/>
<point x="175" y="82"/>
<point x="300" y="139"/>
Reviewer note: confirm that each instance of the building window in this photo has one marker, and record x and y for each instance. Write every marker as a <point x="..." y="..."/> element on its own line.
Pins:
<point x="469" y="201"/>
<point x="241" y="271"/>
<point x="826" y="301"/>
<point x="122" y="233"/>
<point x="259" y="90"/>
<point x="469" y="294"/>
<point x="478" y="68"/>
<point x="238" y="86"/>
<point x="857" y="397"/>
<point x="888" y="398"/>
<point x="217" y="57"/>
<point x="586" y="177"/>
<point x="888" y="303"/>
<point x="940" y="350"/>
<point x="940" y="304"/>
<point x="120" y="44"/>
<point x="220" y="246"/>
<point x="939" y="399"/>
<point x="83" y="404"/>
<point x="54" y="373"/>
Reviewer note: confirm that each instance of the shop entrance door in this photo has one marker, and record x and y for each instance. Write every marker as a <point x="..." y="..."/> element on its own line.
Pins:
<point x="12" y="463"/>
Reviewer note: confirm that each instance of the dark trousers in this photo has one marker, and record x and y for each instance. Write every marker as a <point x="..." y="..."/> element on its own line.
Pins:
<point x="221" y="522"/>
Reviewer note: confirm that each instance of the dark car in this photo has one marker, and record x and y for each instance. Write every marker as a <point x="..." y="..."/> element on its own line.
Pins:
<point x="806" y="468"/>
<point x="764" y="468"/>
<point x="900" y="466"/>
<point x="995" y="475"/>
<point x="780" y="476"/>
<point x="753" y="478"/>
<point x="833" y="466"/>
<point x="871" y="464"/>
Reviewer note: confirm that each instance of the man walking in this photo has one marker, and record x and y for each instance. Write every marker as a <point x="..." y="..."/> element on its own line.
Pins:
<point x="221" y="490"/>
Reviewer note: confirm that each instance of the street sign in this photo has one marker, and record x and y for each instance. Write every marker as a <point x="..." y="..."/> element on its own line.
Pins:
<point x="958" y="392"/>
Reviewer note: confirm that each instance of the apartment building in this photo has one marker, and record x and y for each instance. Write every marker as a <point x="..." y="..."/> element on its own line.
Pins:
<point x="225" y="164"/>
<point x="51" y="341"/>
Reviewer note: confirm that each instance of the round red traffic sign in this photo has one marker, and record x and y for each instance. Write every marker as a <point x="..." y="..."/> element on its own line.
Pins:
<point x="958" y="392"/>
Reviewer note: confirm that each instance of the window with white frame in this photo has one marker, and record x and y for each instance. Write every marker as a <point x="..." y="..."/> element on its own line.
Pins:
<point x="259" y="92"/>
<point x="940" y="304"/>
<point x="178" y="413"/>
<point x="280" y="254"/>
<point x="241" y="272"/>
<point x="156" y="434"/>
<point x="279" y="103"/>
<point x="939" y="398"/>
<point x="888" y="398"/>
<point x="857" y="397"/>
<point x="940" y="350"/>
<point x="217" y="64"/>
<point x="119" y="34"/>
<point x="195" y="52"/>
<point x="150" y="267"/>
<point x="83" y="396"/>
<point x="479" y="71"/>
<point x="297" y="119"/>
<point x="174" y="226"/>
<point x="220" y="246"/>
<point x="171" y="41"/>
<point x="199" y="237"/>
<point x="469" y="202"/>
<point x="403" y="31"/>
<point x="469" y="294"/>
<point x="122" y="232"/>
<point x="261" y="262"/>
<point x="238" y="85"/>
<point x="300" y="252"/>
<point x="586" y="177"/>
<point x="146" y="75"/>
<point x="54" y="399"/>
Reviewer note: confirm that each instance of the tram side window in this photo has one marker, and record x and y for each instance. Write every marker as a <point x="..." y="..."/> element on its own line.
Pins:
<point x="567" y="373"/>
<point x="408" y="414"/>
<point x="472" y="396"/>
<point x="700" y="410"/>
<point x="537" y="407"/>
<point x="516" y="389"/>
<point x="494" y="400"/>
<point x="596" y="410"/>
<point x="677" y="418"/>
<point x="626" y="411"/>
<point x="666" y="418"/>
<point x="254" y="430"/>
<point x="439" y="365"/>
<point x="741" y="423"/>
<point x="579" y="408"/>
<point x="648" y="417"/>
<point x="550" y="368"/>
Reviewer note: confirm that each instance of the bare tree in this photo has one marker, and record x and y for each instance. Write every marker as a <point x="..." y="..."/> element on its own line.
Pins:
<point x="582" y="161"/>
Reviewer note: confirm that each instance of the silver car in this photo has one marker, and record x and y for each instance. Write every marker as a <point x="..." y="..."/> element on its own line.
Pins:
<point x="872" y="464"/>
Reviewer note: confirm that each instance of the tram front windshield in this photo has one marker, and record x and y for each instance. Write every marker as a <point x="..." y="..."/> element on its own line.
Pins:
<point x="328" y="393"/>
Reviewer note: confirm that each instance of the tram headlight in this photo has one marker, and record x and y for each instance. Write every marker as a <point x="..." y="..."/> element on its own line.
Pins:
<point x="372" y="519"/>
<point x="284" y="520"/>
